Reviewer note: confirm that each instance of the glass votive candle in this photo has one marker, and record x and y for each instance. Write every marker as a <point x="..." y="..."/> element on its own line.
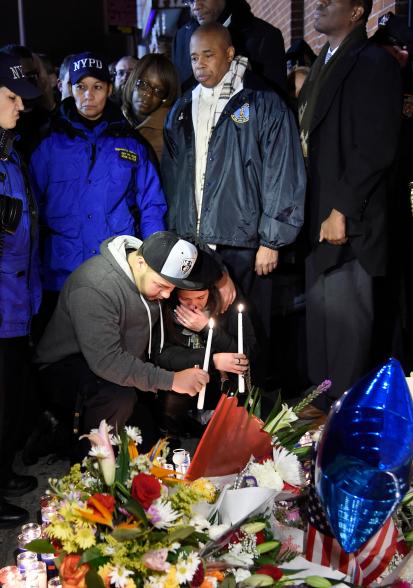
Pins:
<point x="181" y="459"/>
<point x="45" y="500"/>
<point x="32" y="531"/>
<point x="29" y="580"/>
<point x="47" y="512"/>
<point x="8" y="575"/>
<point x="36" y="572"/>
<point x="25" y="559"/>
<point x="22" y="541"/>
<point x="54" y="583"/>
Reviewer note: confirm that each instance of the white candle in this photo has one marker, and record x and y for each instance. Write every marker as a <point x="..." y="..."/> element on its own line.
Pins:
<point x="241" y="381"/>
<point x="201" y="395"/>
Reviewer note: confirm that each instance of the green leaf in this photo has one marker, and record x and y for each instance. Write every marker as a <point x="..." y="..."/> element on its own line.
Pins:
<point x="253" y="527"/>
<point x="289" y="572"/>
<point x="122" y="461"/>
<point x="127" y="534"/>
<point x="158" y="536"/>
<point x="258" y="580"/>
<point x="40" y="546"/>
<point x="228" y="582"/>
<point x="93" y="580"/>
<point x="90" y="554"/>
<point x="135" y="509"/>
<point x="265" y="560"/>
<point x="180" y="533"/>
<point x="195" y="539"/>
<point x="275" y="410"/>
<point x="267" y="546"/>
<point x="317" y="582"/>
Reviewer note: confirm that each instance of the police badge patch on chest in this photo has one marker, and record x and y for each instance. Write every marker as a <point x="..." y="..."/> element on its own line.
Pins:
<point x="127" y="154"/>
<point x="242" y="115"/>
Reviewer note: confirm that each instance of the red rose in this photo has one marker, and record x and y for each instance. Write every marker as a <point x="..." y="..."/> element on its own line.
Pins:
<point x="260" y="537"/>
<point x="106" y="500"/>
<point x="145" y="489"/>
<point x="270" y="570"/>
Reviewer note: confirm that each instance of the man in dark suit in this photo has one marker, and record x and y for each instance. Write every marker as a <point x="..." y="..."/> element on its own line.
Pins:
<point x="252" y="37"/>
<point x="350" y="112"/>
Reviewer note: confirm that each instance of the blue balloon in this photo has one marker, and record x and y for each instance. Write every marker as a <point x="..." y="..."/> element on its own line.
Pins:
<point x="364" y="456"/>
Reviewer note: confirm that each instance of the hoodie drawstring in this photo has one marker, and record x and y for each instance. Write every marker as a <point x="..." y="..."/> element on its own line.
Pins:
<point x="162" y="329"/>
<point x="150" y="325"/>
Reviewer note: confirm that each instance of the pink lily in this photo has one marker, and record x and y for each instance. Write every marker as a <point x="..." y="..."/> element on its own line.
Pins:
<point x="102" y="449"/>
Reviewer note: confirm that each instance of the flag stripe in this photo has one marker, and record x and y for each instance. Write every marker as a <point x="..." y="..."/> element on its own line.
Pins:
<point x="363" y="566"/>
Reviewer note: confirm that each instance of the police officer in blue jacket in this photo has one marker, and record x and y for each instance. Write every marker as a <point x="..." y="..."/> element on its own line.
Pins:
<point x="19" y="285"/>
<point x="91" y="175"/>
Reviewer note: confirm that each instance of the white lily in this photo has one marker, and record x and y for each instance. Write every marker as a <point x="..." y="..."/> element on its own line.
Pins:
<point x="282" y="420"/>
<point x="100" y="439"/>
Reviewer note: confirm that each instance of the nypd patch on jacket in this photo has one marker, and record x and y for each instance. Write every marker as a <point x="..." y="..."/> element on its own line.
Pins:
<point x="254" y="182"/>
<point x="92" y="183"/>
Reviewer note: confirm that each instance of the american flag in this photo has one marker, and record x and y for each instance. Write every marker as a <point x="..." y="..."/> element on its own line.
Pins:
<point x="364" y="565"/>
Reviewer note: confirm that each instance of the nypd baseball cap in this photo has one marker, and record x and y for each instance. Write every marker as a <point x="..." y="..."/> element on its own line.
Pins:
<point x="12" y="76"/>
<point x="170" y="257"/>
<point x="88" y="64"/>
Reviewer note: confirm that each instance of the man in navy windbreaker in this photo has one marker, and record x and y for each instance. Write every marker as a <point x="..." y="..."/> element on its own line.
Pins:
<point x="91" y="175"/>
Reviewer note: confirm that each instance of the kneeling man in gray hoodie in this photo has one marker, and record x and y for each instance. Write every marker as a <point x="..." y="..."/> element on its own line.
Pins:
<point x="96" y="350"/>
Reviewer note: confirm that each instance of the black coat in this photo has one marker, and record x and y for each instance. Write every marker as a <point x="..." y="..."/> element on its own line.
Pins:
<point x="352" y="144"/>
<point x="252" y="37"/>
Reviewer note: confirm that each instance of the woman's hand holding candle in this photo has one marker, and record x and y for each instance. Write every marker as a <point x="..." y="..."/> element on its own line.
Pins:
<point x="236" y="363"/>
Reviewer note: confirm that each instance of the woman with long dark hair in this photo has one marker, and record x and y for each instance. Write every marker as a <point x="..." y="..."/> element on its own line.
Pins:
<point x="187" y="314"/>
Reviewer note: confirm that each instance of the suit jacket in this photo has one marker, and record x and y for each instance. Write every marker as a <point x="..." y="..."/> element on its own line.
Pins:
<point x="352" y="143"/>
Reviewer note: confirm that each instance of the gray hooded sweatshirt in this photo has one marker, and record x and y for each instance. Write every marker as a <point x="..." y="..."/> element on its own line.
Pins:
<point x="102" y="315"/>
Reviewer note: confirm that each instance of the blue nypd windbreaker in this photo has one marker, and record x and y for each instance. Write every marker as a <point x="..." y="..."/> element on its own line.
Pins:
<point x="20" y="288"/>
<point x="90" y="183"/>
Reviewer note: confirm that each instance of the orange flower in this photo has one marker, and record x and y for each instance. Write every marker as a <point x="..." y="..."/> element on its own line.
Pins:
<point x="71" y="573"/>
<point x="132" y="450"/>
<point x="132" y="525"/>
<point x="100" y="513"/>
<point x="216" y="574"/>
<point x="207" y="583"/>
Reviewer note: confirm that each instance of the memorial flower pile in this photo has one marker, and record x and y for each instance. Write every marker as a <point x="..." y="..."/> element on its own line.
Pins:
<point x="125" y="520"/>
<point x="122" y="519"/>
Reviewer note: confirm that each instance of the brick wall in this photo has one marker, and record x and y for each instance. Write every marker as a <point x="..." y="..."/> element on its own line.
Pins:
<point x="295" y="17"/>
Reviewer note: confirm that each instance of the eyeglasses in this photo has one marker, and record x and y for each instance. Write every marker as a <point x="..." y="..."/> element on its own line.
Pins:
<point x="145" y="87"/>
<point x="123" y="72"/>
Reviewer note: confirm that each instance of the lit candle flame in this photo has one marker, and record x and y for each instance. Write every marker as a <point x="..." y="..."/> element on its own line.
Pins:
<point x="240" y="307"/>
<point x="211" y="323"/>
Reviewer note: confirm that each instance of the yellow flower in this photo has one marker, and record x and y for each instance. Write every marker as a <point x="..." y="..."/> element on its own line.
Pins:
<point x="170" y="580"/>
<point x="104" y="572"/>
<point x="66" y="511"/>
<point x="85" y="537"/>
<point x="70" y="546"/>
<point x="205" y="488"/>
<point x="62" y="530"/>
